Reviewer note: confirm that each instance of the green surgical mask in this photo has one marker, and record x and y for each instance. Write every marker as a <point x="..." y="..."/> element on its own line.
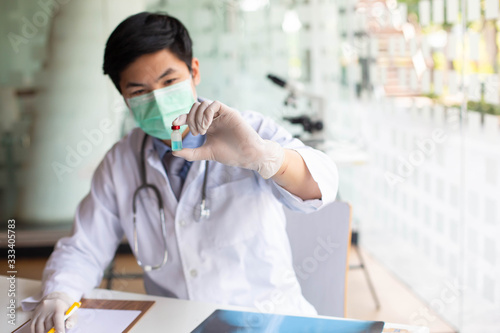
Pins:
<point x="155" y="111"/>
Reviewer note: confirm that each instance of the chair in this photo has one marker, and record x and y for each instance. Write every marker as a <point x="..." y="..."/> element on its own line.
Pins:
<point x="320" y="244"/>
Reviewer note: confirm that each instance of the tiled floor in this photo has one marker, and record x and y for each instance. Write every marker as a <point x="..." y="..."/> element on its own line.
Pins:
<point x="398" y="303"/>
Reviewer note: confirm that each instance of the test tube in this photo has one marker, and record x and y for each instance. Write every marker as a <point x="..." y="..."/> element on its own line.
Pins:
<point x="176" y="138"/>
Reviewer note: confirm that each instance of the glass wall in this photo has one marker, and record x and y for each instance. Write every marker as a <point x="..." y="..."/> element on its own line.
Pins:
<point x="426" y="201"/>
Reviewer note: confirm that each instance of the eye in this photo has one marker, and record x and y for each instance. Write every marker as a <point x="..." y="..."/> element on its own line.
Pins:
<point x="170" y="81"/>
<point x="137" y="92"/>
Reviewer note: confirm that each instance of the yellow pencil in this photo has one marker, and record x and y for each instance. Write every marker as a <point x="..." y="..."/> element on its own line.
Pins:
<point x="68" y="313"/>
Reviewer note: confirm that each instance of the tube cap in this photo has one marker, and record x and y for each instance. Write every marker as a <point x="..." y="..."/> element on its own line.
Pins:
<point x="176" y="127"/>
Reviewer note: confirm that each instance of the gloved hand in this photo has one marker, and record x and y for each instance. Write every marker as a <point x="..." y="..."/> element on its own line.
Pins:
<point x="230" y="140"/>
<point x="50" y="313"/>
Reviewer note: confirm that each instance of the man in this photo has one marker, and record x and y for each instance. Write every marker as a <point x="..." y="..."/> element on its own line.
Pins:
<point x="238" y="253"/>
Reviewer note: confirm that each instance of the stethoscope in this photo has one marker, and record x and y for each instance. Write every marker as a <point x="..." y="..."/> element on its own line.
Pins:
<point x="204" y="211"/>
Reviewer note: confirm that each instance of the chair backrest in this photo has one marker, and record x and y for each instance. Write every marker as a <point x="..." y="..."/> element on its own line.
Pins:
<point x="320" y="244"/>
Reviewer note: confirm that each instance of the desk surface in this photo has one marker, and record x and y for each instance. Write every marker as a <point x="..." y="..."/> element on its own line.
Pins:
<point x="178" y="315"/>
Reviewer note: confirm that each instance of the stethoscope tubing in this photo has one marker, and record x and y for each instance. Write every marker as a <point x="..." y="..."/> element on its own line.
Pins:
<point x="144" y="185"/>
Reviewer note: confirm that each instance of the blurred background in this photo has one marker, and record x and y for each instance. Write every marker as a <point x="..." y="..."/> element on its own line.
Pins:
<point x="403" y="95"/>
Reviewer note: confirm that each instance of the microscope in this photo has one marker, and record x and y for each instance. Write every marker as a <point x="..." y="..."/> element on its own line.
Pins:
<point x="311" y="122"/>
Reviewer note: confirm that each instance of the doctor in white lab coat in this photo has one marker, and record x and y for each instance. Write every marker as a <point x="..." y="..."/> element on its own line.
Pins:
<point x="239" y="254"/>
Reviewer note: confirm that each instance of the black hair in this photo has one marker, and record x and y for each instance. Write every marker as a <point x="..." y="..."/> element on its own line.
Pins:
<point x="141" y="34"/>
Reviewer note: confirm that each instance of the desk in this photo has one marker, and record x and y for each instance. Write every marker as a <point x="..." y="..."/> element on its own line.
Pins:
<point x="178" y="315"/>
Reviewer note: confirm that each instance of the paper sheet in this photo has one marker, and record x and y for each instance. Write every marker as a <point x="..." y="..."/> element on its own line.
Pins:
<point x="451" y="11"/>
<point x="452" y="83"/>
<point x="491" y="89"/>
<point x="452" y="47"/>
<point x="438" y="82"/>
<point x="419" y="63"/>
<point x="473" y="10"/>
<point x="426" y="82"/>
<point x="403" y="12"/>
<point x="474" y="46"/>
<point x="98" y="321"/>
<point x="402" y="73"/>
<point x="426" y="49"/>
<point x="392" y="46"/>
<point x="383" y="75"/>
<point x="474" y="88"/>
<point x="424" y="9"/>
<point x="374" y="76"/>
<point x="491" y="10"/>
<point x="402" y="46"/>
<point x="438" y="11"/>
<point x="374" y="48"/>
<point x="413" y="80"/>
<point x="413" y="46"/>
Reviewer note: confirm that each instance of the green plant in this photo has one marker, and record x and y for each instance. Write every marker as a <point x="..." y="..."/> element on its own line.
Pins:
<point x="412" y="6"/>
<point x="483" y="107"/>
<point x="431" y="95"/>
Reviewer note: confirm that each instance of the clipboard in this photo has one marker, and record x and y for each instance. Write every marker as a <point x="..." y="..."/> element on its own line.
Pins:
<point x="110" y="304"/>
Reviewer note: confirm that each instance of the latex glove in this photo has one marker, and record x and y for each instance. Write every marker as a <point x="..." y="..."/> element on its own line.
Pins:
<point x="230" y="140"/>
<point x="50" y="313"/>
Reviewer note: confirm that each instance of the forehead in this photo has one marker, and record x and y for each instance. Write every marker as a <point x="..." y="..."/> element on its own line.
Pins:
<point x="152" y="65"/>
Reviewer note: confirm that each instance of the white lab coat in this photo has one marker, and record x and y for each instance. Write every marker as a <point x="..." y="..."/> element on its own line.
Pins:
<point x="240" y="255"/>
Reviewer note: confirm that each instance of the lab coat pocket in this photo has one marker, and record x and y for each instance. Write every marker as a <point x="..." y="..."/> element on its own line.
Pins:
<point x="234" y="212"/>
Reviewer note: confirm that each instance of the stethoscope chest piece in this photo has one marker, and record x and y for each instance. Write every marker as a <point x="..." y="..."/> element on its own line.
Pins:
<point x="201" y="211"/>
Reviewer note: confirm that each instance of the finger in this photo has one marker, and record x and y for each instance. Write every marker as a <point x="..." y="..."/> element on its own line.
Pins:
<point x="218" y="106"/>
<point x="33" y="323"/>
<point x="208" y="117"/>
<point x="39" y="326"/>
<point x="59" y="321"/>
<point x="48" y="323"/>
<point x="71" y="321"/>
<point x="181" y="120"/>
<point x="200" y="114"/>
<point x="190" y="118"/>
<point x="194" y="154"/>
<point x="194" y="116"/>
